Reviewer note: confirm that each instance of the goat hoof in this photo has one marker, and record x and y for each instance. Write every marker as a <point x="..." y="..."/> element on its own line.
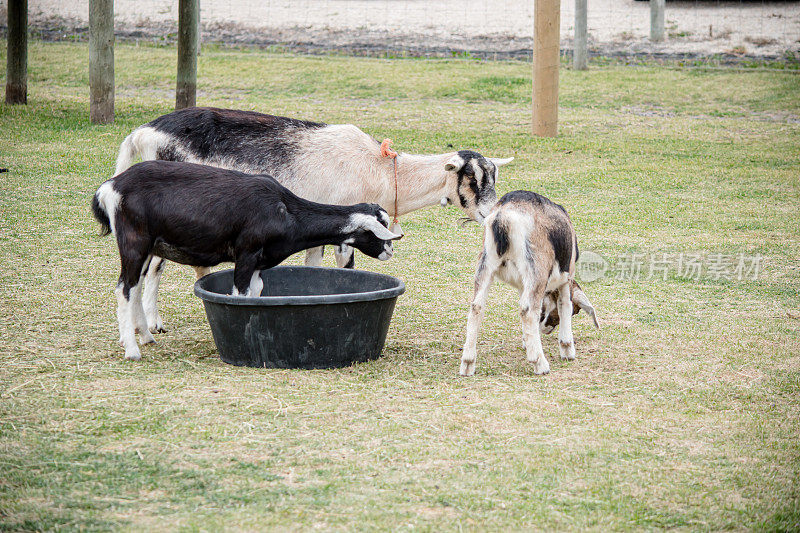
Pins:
<point x="157" y="329"/>
<point x="132" y="355"/>
<point x="467" y="368"/>
<point x="567" y="351"/>
<point x="145" y="337"/>
<point x="541" y="367"/>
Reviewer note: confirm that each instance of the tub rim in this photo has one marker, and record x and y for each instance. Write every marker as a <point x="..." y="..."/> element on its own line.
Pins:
<point x="319" y="299"/>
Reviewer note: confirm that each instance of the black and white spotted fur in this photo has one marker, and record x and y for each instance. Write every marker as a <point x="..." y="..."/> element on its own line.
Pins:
<point x="201" y="215"/>
<point x="529" y="242"/>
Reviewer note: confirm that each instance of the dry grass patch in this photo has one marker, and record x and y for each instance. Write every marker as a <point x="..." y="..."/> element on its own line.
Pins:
<point x="681" y="412"/>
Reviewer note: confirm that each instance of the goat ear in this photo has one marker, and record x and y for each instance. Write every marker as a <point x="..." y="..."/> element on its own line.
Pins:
<point x="380" y="231"/>
<point x="581" y="301"/>
<point x="455" y="164"/>
<point x="501" y="162"/>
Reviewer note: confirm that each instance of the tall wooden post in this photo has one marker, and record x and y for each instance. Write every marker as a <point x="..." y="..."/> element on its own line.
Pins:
<point x="546" y="34"/>
<point x="186" y="91"/>
<point x="199" y="29"/>
<point x="17" y="54"/>
<point x="657" y="20"/>
<point x="580" y="52"/>
<point x="101" y="61"/>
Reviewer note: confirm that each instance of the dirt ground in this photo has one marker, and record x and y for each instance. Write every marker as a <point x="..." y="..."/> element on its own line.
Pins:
<point x="499" y="27"/>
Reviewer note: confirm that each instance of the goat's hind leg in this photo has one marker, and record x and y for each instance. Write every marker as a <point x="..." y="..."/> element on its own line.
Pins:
<point x="130" y="313"/>
<point x="566" y="342"/>
<point x="134" y="260"/>
<point x="530" y="303"/>
<point x="127" y="331"/>
<point x="150" y="295"/>
<point x="138" y="314"/>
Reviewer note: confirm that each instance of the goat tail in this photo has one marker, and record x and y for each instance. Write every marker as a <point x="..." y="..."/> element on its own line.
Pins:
<point x="101" y="216"/>
<point x="500" y="234"/>
<point x="127" y="153"/>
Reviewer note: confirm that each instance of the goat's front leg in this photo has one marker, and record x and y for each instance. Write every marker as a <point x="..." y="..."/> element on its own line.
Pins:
<point x="246" y="279"/>
<point x="530" y="303"/>
<point x="256" y="284"/>
<point x="314" y="256"/>
<point x="566" y="343"/>
<point x="345" y="256"/>
<point x="150" y="295"/>
<point x="483" y="281"/>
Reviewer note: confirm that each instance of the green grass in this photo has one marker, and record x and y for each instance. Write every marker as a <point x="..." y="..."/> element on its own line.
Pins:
<point x="683" y="411"/>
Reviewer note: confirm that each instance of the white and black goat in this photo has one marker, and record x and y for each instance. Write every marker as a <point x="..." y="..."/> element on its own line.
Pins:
<point x="329" y="163"/>
<point x="201" y="215"/>
<point x="529" y="242"/>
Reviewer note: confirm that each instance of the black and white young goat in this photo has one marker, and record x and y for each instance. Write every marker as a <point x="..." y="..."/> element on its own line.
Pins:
<point x="201" y="215"/>
<point x="529" y="242"/>
<point x="332" y="164"/>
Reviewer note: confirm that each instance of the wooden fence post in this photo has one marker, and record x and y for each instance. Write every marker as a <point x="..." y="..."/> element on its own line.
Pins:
<point x="657" y="20"/>
<point x="101" y="61"/>
<point x="17" y="53"/>
<point x="546" y="37"/>
<point x="580" y="52"/>
<point x="199" y="30"/>
<point x="186" y="90"/>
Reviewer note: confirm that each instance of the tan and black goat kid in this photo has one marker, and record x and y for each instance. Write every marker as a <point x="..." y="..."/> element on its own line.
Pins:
<point x="529" y="242"/>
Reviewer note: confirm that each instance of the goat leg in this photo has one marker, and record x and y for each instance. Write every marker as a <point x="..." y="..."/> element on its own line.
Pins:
<point x="483" y="281"/>
<point x="530" y="303"/>
<point x="150" y="295"/>
<point x="566" y="343"/>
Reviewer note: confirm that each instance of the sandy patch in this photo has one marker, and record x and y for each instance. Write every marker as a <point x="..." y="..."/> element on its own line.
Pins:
<point x="762" y="29"/>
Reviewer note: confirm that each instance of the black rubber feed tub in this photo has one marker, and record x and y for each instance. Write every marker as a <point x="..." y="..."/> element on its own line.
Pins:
<point x="306" y="317"/>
